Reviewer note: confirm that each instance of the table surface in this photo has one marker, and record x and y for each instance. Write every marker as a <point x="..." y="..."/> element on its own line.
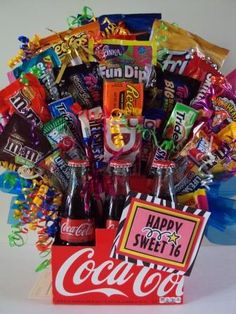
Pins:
<point x="211" y="287"/>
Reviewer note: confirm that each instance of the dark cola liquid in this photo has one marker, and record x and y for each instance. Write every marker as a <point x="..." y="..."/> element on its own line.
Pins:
<point x="115" y="206"/>
<point x="78" y="213"/>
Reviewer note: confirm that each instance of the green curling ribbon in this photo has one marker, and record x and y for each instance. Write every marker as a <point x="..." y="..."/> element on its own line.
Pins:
<point x="161" y="38"/>
<point x="167" y="145"/>
<point x="161" y="54"/>
<point x="24" y="79"/>
<point x="36" y="71"/>
<point x="163" y="26"/>
<point x="45" y="253"/>
<point x="87" y="15"/>
<point x="146" y="133"/>
<point x="15" y="238"/>
<point x="43" y="265"/>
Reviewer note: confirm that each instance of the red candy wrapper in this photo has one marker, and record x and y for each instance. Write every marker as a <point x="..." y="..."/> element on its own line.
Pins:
<point x="28" y="100"/>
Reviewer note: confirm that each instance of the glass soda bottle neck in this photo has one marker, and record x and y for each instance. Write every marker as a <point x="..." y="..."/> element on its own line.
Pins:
<point x="78" y="178"/>
<point x="163" y="178"/>
<point x="120" y="178"/>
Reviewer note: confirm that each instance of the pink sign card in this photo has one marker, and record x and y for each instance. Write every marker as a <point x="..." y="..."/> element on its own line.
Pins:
<point x="156" y="232"/>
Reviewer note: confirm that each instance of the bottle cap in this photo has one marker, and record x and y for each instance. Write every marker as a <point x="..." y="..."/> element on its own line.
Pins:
<point x="78" y="163"/>
<point x="121" y="163"/>
<point x="163" y="164"/>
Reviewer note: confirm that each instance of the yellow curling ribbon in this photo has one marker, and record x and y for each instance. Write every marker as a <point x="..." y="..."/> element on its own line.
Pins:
<point x="9" y="166"/>
<point x="115" y="120"/>
<point x="119" y="115"/>
<point x="34" y="45"/>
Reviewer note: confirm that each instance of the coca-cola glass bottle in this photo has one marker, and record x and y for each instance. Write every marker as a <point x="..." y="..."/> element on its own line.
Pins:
<point x="163" y="178"/>
<point x="77" y="222"/>
<point x="120" y="170"/>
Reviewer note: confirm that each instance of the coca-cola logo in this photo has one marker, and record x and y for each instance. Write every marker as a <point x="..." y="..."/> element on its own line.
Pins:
<point x="82" y="230"/>
<point x="110" y="278"/>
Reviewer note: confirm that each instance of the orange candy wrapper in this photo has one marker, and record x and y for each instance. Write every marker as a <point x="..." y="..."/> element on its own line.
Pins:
<point x="123" y="97"/>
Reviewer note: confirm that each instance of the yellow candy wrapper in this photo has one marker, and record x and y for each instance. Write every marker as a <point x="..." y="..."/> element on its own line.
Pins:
<point x="179" y="39"/>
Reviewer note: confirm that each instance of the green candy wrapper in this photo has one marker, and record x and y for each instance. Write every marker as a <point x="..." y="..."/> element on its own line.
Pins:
<point x="180" y="124"/>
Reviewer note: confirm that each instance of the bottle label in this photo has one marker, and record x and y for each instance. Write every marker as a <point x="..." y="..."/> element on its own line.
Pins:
<point x="77" y="230"/>
<point x="112" y="224"/>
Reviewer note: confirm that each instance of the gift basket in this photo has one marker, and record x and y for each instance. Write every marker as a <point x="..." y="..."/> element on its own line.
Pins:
<point x="112" y="133"/>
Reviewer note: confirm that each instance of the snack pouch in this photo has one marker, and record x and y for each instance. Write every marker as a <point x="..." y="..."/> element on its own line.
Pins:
<point x="231" y="78"/>
<point x="199" y="173"/>
<point x="201" y="157"/>
<point x="58" y="134"/>
<point x="57" y="167"/>
<point x="220" y="102"/>
<point x="135" y="23"/>
<point x="167" y="88"/>
<point x="121" y="138"/>
<point x="42" y="65"/>
<point x="84" y="83"/>
<point x="28" y="100"/>
<point x="190" y="63"/>
<point x="180" y="124"/>
<point x="22" y="143"/>
<point x="124" y="59"/>
<point x="178" y="39"/>
<point x="71" y="39"/>
<point x="122" y="97"/>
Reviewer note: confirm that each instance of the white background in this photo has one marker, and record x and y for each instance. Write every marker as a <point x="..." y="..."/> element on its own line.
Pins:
<point x="214" y="20"/>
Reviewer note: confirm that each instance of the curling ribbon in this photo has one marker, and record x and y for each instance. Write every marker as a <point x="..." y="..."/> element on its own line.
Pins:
<point x="85" y="17"/>
<point x="43" y="265"/>
<point x="33" y="45"/>
<point x="15" y="238"/>
<point x="119" y="115"/>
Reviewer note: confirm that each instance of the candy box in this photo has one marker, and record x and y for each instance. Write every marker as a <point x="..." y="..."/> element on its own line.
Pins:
<point x="87" y="275"/>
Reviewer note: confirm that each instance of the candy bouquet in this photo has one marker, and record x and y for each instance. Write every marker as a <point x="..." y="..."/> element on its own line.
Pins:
<point x="111" y="90"/>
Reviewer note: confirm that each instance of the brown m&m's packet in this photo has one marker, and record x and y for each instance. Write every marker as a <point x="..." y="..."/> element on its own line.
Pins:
<point x="22" y="143"/>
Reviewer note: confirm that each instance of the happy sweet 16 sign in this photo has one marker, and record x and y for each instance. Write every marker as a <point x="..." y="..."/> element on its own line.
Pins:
<point x="159" y="234"/>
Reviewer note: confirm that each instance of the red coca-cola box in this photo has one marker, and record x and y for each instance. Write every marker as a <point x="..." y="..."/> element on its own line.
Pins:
<point x="87" y="275"/>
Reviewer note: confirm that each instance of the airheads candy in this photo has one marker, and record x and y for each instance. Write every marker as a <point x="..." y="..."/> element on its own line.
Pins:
<point x="178" y="39"/>
<point x="196" y="199"/>
<point x="220" y="102"/>
<point x="122" y="97"/>
<point x="28" y="100"/>
<point x="179" y="125"/>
